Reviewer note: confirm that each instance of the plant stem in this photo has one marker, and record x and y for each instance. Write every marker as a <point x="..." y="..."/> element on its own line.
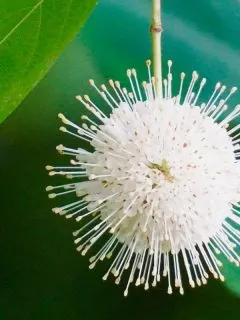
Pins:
<point x="156" y="31"/>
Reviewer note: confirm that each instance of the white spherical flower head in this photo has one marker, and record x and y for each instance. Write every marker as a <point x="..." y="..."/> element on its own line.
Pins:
<point x="162" y="180"/>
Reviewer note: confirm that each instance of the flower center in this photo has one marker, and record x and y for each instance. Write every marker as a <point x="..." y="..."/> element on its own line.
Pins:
<point x="164" y="168"/>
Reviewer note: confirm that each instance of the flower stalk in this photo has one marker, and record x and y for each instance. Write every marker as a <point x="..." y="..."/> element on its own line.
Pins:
<point x="156" y="32"/>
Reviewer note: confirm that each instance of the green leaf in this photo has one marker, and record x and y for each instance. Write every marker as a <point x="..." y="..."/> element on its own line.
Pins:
<point x="32" y="35"/>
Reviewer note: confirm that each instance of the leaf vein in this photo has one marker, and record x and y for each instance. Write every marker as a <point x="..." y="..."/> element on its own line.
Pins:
<point x="36" y="41"/>
<point x="65" y="19"/>
<point x="20" y="22"/>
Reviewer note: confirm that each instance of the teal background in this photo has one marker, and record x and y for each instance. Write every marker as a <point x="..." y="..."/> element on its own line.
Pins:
<point x="42" y="276"/>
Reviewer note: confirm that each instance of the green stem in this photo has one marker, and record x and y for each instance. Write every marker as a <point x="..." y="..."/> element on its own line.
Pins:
<point x="156" y="31"/>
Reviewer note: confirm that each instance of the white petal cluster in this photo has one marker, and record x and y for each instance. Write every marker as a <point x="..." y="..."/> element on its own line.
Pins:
<point x="163" y="180"/>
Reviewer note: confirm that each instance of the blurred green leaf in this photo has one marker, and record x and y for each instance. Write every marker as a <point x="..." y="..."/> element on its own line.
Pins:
<point x="33" y="33"/>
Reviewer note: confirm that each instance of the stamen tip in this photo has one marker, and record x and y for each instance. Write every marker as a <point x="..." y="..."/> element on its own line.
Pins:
<point x="237" y="108"/>
<point x="94" y="128"/>
<point x="63" y="129"/>
<point x="129" y="72"/>
<point x="144" y="84"/>
<point x="169" y="290"/>
<point x="85" y="126"/>
<point x="105" y="277"/>
<point x="79" y="218"/>
<point x="183" y="75"/>
<point x="59" y="147"/>
<point x="195" y="75"/>
<point x="148" y="62"/>
<point x="111" y="83"/>
<point x="92" y="265"/>
<point x="91" y="82"/>
<point x="56" y="210"/>
<point x="138" y="282"/>
<point x="134" y="72"/>
<point x="61" y="116"/>
<point x="79" y="98"/>
<point x="222" y="278"/>
<point x="51" y="195"/>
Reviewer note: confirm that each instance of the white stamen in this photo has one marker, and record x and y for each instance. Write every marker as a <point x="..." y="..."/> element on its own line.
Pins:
<point x="162" y="177"/>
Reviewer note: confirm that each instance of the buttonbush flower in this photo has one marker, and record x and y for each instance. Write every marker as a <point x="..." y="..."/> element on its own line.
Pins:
<point x="160" y="178"/>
